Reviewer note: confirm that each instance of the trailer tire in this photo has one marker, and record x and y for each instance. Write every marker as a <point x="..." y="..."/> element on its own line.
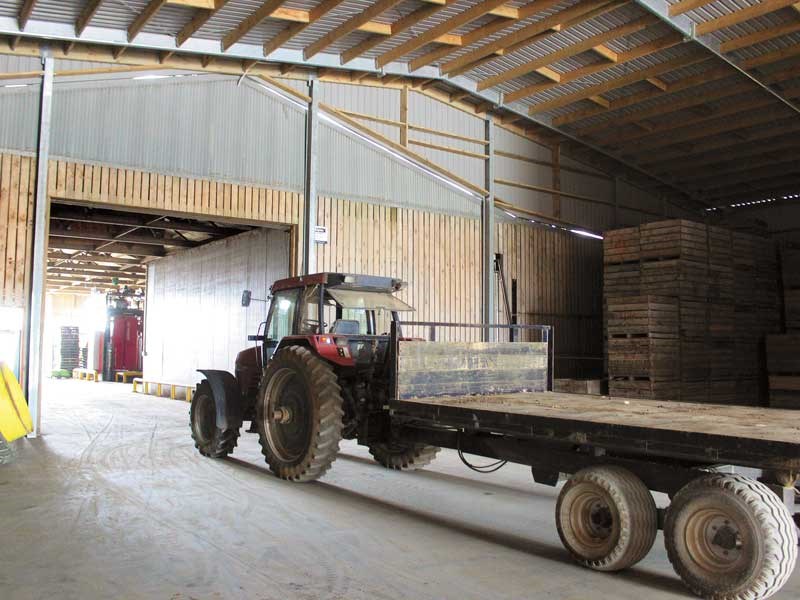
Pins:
<point x="606" y="518"/>
<point x="299" y="414"/>
<point x="403" y="457"/>
<point x="209" y="439"/>
<point x="730" y="538"/>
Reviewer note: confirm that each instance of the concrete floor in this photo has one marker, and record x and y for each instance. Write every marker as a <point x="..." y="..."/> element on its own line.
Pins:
<point x="114" y="502"/>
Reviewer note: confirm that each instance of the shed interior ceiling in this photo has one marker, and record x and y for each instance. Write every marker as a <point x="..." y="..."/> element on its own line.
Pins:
<point x="711" y="114"/>
<point x="98" y="248"/>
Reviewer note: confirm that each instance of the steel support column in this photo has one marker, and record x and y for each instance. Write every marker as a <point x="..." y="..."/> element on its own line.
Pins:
<point x="310" y="187"/>
<point x="34" y="319"/>
<point x="488" y="235"/>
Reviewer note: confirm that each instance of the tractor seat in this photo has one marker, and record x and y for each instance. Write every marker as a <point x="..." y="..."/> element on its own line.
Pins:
<point x="346" y="327"/>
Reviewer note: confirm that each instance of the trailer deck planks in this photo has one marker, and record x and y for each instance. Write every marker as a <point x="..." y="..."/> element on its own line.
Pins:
<point x="763" y="438"/>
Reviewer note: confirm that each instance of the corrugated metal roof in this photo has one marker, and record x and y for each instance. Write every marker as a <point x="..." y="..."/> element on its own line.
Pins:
<point x="117" y="15"/>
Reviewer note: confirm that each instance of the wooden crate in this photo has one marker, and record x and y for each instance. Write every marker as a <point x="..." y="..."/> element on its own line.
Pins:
<point x="790" y="267"/>
<point x="783" y="354"/>
<point x="720" y="244"/>
<point x="643" y="388"/>
<point x="675" y="277"/>
<point x="621" y="245"/>
<point x="652" y="357"/>
<point x="791" y="303"/>
<point x="675" y="238"/>
<point x="593" y="387"/>
<point x="638" y="315"/>
<point x="784" y="399"/>
<point x="622" y="280"/>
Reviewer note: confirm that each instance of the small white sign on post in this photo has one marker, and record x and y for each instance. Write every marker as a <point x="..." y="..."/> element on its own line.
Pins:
<point x="321" y="234"/>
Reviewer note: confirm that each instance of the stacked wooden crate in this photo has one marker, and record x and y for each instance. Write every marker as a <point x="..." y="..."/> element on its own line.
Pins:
<point x="783" y="350"/>
<point x="701" y="272"/>
<point x="783" y="362"/>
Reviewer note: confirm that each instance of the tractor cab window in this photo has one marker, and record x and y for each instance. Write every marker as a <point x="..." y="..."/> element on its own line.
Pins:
<point x="309" y="313"/>
<point x="281" y="317"/>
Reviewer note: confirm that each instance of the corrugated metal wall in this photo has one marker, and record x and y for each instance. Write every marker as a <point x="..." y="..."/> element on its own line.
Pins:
<point x="194" y="313"/>
<point x="211" y="126"/>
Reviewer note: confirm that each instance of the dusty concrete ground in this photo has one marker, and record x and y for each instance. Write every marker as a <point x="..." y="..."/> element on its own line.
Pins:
<point x="114" y="502"/>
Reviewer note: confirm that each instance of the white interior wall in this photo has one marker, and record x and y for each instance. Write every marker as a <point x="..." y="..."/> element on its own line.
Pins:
<point x="194" y="318"/>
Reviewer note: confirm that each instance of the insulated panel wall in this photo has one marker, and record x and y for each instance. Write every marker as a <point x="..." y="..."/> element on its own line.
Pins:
<point x="194" y="315"/>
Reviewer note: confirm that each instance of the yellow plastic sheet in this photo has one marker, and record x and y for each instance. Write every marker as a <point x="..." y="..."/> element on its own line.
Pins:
<point x="15" y="418"/>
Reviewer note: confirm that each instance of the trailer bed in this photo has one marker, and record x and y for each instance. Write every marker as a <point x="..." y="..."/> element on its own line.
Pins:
<point x="741" y="435"/>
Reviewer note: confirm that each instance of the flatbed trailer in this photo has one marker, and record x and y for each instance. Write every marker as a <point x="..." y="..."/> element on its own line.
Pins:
<point x="727" y="536"/>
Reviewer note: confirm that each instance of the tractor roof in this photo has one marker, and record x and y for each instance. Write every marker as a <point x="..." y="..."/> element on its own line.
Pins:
<point x="350" y="281"/>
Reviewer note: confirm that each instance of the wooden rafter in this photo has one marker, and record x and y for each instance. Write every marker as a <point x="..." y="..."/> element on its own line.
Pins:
<point x="705" y="176"/>
<point x="397" y="28"/>
<point x="25" y="12"/>
<point x="480" y="33"/>
<point x="775" y="129"/>
<point x="759" y="36"/>
<point x="117" y="247"/>
<point x="730" y="107"/>
<point x="349" y="26"/>
<point x="91" y="258"/>
<point x="570" y="50"/>
<point x="523" y="34"/>
<point x="546" y="72"/>
<point x="617" y="82"/>
<point x="430" y="35"/>
<point x="684" y="6"/>
<point x="144" y="17"/>
<point x="86" y="16"/>
<point x="200" y="18"/>
<point x="718" y="125"/>
<point x="657" y="45"/>
<point x="740" y="16"/>
<point x="243" y="28"/>
<point x="775" y="168"/>
<point x="294" y="29"/>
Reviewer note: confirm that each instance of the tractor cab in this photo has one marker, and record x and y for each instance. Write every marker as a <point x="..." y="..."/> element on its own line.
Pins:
<point x="343" y="318"/>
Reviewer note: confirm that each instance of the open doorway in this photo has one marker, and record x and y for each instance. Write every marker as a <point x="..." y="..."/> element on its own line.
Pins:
<point x="127" y="291"/>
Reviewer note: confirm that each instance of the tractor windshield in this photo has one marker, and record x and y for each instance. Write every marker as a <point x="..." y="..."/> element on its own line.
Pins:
<point x="348" y="312"/>
<point x="355" y="299"/>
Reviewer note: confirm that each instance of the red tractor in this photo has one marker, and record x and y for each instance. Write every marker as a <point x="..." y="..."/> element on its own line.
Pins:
<point x="320" y="372"/>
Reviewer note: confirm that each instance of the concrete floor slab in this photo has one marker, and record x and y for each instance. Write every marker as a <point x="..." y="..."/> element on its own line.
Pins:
<point x="113" y="501"/>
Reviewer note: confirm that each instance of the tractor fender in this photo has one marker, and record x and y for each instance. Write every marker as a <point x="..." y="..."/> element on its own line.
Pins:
<point x="227" y="398"/>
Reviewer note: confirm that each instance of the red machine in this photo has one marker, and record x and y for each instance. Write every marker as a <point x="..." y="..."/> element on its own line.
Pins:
<point x="124" y="334"/>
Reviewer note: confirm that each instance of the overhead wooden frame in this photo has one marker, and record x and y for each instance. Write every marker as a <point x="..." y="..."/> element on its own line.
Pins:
<point x="472" y="47"/>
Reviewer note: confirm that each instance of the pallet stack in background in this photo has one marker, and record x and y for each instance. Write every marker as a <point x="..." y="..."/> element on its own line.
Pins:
<point x="783" y="350"/>
<point x="687" y="308"/>
<point x="70" y="348"/>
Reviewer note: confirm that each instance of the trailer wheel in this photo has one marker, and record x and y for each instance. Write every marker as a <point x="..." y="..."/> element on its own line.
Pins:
<point x="299" y="415"/>
<point x="729" y="537"/>
<point x="606" y="518"/>
<point x="209" y="439"/>
<point x="403" y="457"/>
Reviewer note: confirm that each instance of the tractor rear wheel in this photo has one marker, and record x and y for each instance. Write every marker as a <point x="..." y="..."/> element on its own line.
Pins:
<point x="208" y="438"/>
<point x="299" y="414"/>
<point x="403" y="457"/>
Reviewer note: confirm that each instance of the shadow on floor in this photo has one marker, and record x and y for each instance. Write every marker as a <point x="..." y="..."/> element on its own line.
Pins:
<point x="514" y="542"/>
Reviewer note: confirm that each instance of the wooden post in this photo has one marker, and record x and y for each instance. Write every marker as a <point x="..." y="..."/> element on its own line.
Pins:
<point x="488" y="235"/>
<point x="404" y="116"/>
<point x="557" y="180"/>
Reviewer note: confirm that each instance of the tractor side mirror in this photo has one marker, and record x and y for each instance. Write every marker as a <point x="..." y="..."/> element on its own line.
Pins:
<point x="246" y="297"/>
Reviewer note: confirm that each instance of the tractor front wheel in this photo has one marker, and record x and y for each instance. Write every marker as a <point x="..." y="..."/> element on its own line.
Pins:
<point x="208" y="437"/>
<point x="299" y="414"/>
<point x="403" y="457"/>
